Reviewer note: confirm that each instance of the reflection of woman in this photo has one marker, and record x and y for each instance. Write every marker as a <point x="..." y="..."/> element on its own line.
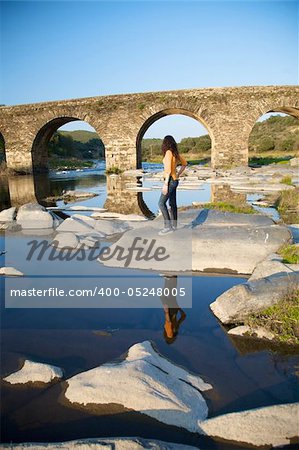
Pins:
<point x="171" y="309"/>
<point x="171" y="160"/>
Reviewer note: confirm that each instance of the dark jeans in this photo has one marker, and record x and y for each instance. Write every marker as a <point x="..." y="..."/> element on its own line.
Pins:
<point x="169" y="220"/>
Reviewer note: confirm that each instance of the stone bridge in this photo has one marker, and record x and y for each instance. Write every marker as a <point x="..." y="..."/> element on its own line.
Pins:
<point x="121" y="121"/>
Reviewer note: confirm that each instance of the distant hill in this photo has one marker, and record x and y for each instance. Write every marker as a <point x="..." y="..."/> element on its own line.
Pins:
<point x="276" y="134"/>
<point x="81" y="135"/>
<point x="80" y="144"/>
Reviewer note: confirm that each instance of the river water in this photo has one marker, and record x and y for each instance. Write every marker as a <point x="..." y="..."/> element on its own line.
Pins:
<point x="243" y="375"/>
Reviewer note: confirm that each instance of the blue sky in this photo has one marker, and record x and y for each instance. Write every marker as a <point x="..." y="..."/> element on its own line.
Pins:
<point x="59" y="50"/>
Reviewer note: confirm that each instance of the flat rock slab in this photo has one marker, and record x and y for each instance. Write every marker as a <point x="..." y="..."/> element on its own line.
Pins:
<point x="84" y="224"/>
<point x="261" y="187"/>
<point x="206" y="240"/>
<point x="234" y="305"/>
<point x="85" y="208"/>
<point x="132" y="443"/>
<point x="145" y="382"/>
<point x="79" y="194"/>
<point x="273" y="425"/>
<point x="33" y="372"/>
<point x="34" y="216"/>
<point x="119" y="216"/>
<point x="10" y="271"/>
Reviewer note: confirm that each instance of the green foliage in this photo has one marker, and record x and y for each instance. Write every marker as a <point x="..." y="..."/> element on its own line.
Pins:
<point x="141" y="106"/>
<point x="281" y="319"/>
<point x="290" y="254"/>
<point x="276" y="134"/>
<point x="80" y="144"/>
<point x="151" y="148"/>
<point x="114" y="170"/>
<point x="266" y="160"/>
<point x="288" y="144"/>
<point x="265" y="144"/>
<point x="200" y="145"/>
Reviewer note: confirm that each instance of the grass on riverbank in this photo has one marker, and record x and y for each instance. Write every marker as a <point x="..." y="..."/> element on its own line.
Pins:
<point x="281" y="319"/>
<point x="287" y="204"/>
<point x="270" y="159"/>
<point x="225" y="207"/>
<point x="290" y="254"/>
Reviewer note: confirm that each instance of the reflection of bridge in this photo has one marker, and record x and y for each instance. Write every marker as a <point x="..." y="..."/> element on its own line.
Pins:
<point x="36" y="188"/>
<point x="121" y="121"/>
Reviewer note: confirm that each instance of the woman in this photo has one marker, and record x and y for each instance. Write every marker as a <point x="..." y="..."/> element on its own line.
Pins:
<point x="171" y="159"/>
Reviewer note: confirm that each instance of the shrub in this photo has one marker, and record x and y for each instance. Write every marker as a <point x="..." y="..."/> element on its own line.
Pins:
<point x="114" y="170"/>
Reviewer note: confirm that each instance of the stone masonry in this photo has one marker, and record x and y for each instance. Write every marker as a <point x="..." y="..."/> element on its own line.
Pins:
<point x="229" y="115"/>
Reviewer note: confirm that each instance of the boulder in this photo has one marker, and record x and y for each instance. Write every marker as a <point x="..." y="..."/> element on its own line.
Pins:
<point x="8" y="215"/>
<point x="65" y="240"/>
<point x="123" y="443"/>
<point x="272" y="426"/>
<point x="33" y="372"/>
<point x="270" y="267"/>
<point x="76" y="225"/>
<point x="236" y="304"/>
<point x="145" y="382"/>
<point x="34" y="216"/>
<point x="10" y="271"/>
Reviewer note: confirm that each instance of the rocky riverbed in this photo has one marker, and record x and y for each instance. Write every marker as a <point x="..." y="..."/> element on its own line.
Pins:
<point x="206" y="241"/>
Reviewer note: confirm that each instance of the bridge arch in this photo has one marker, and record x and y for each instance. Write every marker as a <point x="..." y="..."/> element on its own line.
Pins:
<point x="283" y="108"/>
<point x="39" y="150"/>
<point x="163" y="113"/>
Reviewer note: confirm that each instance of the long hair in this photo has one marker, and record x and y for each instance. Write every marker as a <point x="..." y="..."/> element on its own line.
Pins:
<point x="170" y="144"/>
